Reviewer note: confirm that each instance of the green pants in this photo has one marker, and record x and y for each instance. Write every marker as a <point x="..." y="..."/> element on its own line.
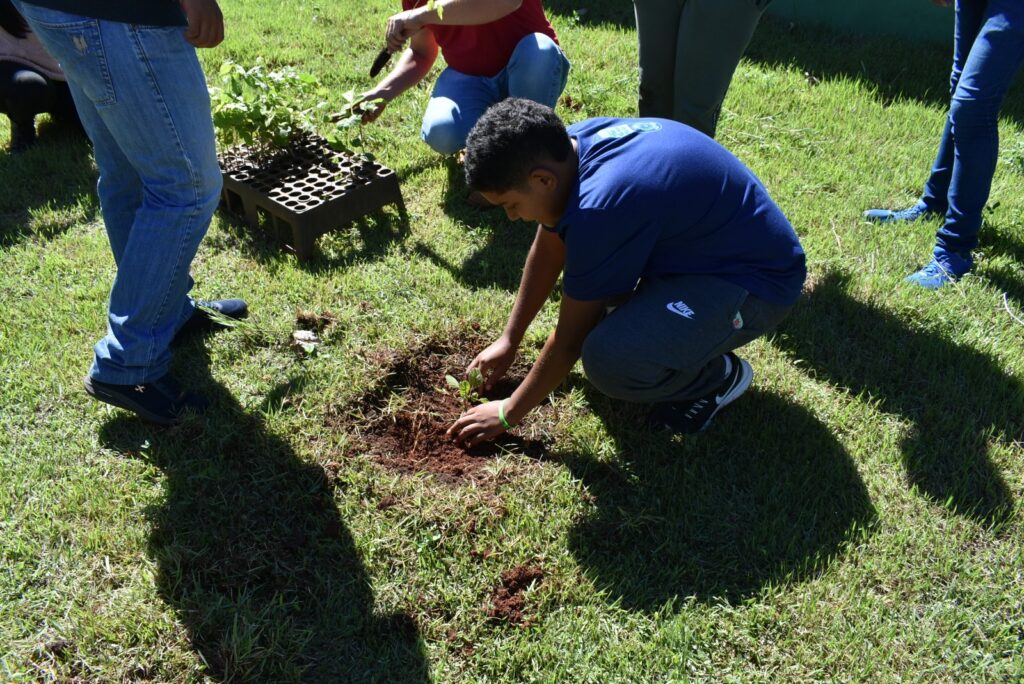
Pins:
<point x="689" y="50"/>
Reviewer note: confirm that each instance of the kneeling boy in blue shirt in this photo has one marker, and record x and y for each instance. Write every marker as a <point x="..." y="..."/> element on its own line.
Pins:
<point x="672" y="255"/>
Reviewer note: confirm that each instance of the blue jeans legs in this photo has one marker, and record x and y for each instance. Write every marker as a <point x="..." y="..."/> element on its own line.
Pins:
<point x="142" y="99"/>
<point x="988" y="52"/>
<point x="537" y="70"/>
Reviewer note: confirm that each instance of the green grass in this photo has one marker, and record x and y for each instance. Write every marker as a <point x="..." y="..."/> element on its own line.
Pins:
<point x="856" y="517"/>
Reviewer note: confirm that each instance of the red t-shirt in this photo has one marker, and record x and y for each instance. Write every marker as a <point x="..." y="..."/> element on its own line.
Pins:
<point x="484" y="49"/>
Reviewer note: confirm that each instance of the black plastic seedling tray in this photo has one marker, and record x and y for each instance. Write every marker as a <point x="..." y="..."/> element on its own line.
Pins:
<point x="305" y="191"/>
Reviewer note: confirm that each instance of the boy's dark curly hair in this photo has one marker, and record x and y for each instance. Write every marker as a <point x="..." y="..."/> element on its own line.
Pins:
<point x="11" y="21"/>
<point x="510" y="139"/>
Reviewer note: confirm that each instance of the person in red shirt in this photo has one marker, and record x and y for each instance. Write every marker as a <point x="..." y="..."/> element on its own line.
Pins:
<point x="494" y="49"/>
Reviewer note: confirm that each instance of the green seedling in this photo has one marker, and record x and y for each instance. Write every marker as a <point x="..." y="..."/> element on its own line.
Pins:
<point x="468" y="389"/>
<point x="343" y="135"/>
<point x="263" y="108"/>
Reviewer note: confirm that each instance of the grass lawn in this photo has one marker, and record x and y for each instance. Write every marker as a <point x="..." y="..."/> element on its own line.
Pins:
<point x="857" y="516"/>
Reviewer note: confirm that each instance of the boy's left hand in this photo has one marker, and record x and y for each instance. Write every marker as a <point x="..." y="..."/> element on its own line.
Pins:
<point x="478" y="424"/>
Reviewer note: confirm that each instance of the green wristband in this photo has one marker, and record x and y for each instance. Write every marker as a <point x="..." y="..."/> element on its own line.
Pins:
<point x="501" y="415"/>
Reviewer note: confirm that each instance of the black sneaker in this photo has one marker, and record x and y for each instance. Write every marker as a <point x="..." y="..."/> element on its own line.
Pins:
<point x="23" y="135"/>
<point x="695" y="415"/>
<point x="203" y="321"/>
<point x="161" y="401"/>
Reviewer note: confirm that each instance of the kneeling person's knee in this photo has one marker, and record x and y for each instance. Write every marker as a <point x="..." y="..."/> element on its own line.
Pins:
<point x="603" y="364"/>
<point x="444" y="137"/>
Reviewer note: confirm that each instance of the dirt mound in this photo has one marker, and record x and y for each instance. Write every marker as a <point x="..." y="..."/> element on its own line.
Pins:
<point x="507" y="601"/>
<point x="404" y="420"/>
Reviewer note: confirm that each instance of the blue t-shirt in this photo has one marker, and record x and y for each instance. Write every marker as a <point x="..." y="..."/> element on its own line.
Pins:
<point x="655" y="197"/>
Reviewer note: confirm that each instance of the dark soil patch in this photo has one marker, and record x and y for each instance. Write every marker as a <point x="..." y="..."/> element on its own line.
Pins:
<point x="411" y="438"/>
<point x="317" y="322"/>
<point x="507" y="601"/>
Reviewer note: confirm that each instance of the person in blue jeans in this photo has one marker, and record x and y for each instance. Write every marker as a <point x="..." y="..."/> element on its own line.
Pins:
<point x="988" y="51"/>
<point x="142" y="98"/>
<point x="670" y="251"/>
<point x="494" y="49"/>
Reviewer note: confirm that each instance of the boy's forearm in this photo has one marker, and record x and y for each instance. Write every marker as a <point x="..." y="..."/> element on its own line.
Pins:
<point x="552" y="366"/>
<point x="540" y="273"/>
<point x="576" y="319"/>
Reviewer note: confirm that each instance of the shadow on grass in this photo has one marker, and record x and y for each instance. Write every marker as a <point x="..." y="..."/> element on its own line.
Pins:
<point x="498" y="261"/>
<point x="54" y="176"/>
<point x="767" y="497"/>
<point x="594" y="13"/>
<point x="366" y="239"/>
<point x="1009" y="281"/>
<point x="1007" y="240"/>
<point x="896" y="68"/>
<point x="253" y="555"/>
<point x="959" y="399"/>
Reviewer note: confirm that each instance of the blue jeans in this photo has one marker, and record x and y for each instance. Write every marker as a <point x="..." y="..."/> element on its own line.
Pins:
<point x="537" y="70"/>
<point x="142" y="98"/>
<point x="988" y="51"/>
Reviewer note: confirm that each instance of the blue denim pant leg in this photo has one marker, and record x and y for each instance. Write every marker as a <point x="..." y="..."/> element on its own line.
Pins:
<point x="969" y="16"/>
<point x="142" y="98"/>
<point x="456" y="104"/>
<point x="983" y="70"/>
<point x="537" y="70"/>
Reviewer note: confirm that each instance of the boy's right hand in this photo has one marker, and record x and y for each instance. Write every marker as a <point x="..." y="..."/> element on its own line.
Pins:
<point x="494" y="361"/>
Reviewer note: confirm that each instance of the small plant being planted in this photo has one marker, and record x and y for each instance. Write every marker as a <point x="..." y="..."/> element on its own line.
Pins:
<point x="279" y="174"/>
<point x="401" y="423"/>
<point x="468" y="389"/>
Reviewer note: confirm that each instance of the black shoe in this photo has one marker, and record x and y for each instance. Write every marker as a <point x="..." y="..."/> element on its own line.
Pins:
<point x="161" y="401"/>
<point x="23" y="136"/>
<point x="203" y="321"/>
<point x="695" y="415"/>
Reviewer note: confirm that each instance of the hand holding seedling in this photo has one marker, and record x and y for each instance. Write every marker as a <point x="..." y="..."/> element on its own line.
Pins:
<point x="492" y="363"/>
<point x="358" y="109"/>
<point x="478" y="424"/>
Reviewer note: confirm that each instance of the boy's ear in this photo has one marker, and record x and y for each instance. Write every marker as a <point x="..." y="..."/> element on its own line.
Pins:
<point x="544" y="177"/>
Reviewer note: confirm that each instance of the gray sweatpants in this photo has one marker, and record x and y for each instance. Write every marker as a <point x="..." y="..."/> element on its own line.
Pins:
<point x="666" y="342"/>
<point x="689" y="50"/>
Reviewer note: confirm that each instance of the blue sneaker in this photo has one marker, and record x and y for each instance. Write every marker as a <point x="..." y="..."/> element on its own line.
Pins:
<point x="944" y="268"/>
<point x="919" y="210"/>
<point x="202" y="321"/>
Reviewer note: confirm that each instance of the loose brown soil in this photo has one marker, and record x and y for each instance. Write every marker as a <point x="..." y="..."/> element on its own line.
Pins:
<point x="507" y="601"/>
<point x="403" y="422"/>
